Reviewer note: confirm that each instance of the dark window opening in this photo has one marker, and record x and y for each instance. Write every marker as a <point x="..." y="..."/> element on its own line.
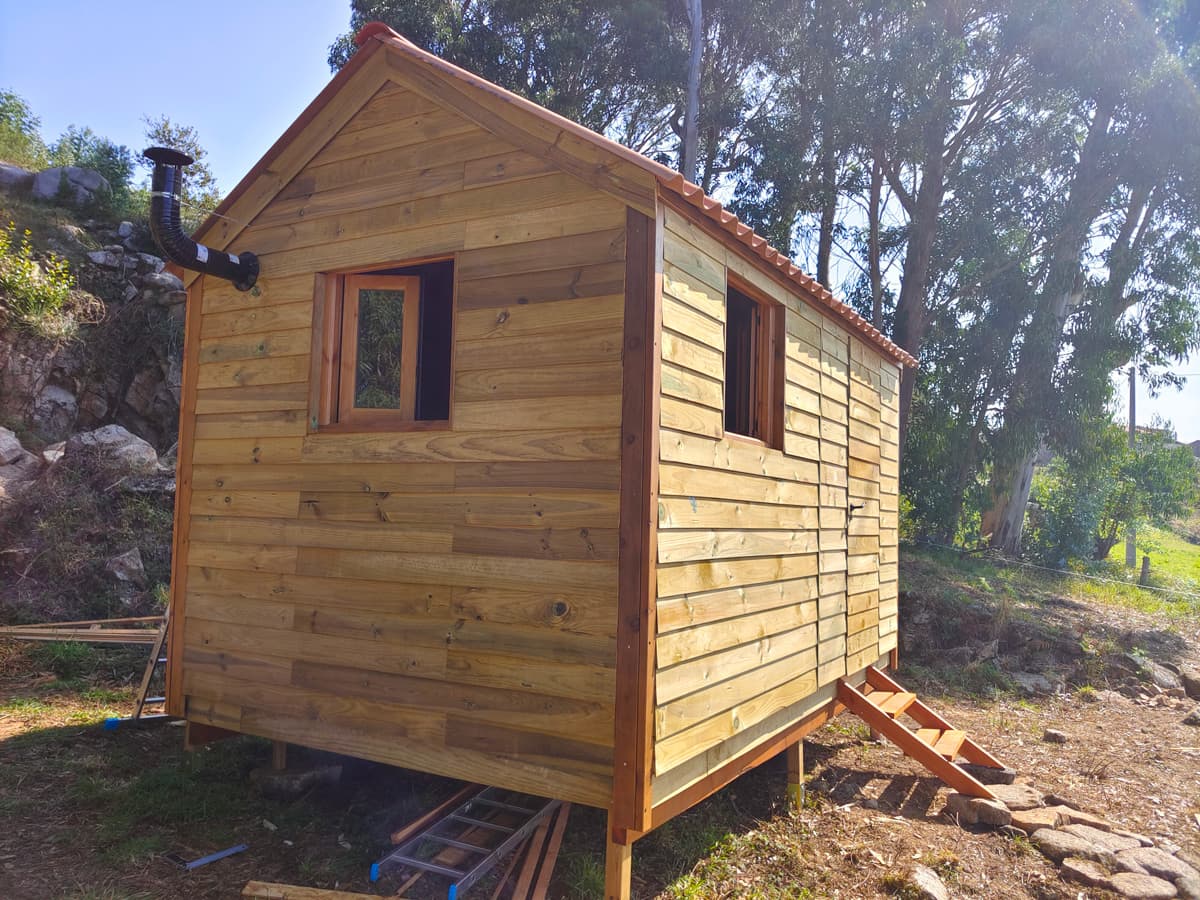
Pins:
<point x="388" y="347"/>
<point x="753" y="377"/>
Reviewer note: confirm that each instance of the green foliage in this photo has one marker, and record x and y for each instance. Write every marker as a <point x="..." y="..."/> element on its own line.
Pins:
<point x="34" y="293"/>
<point x="66" y="659"/>
<point x="84" y="148"/>
<point x="20" y="141"/>
<point x="1083" y="502"/>
<point x="200" y="193"/>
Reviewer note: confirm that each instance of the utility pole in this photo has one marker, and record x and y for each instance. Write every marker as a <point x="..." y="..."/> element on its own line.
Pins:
<point x="1130" y="535"/>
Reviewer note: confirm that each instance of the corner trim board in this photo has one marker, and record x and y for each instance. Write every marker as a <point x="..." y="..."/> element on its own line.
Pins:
<point x="641" y="381"/>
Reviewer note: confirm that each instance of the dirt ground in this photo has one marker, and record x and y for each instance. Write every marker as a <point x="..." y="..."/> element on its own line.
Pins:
<point x="88" y="813"/>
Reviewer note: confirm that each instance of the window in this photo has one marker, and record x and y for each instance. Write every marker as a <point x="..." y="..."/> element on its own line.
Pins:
<point x="753" y="372"/>
<point x="387" y="343"/>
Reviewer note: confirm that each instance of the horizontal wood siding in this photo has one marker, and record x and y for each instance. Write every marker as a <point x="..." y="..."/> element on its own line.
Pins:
<point x="756" y="616"/>
<point x="443" y="600"/>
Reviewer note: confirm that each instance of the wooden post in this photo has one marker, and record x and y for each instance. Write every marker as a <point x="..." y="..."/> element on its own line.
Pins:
<point x="279" y="755"/>
<point x="795" y="774"/>
<point x="618" y="867"/>
<point x="1145" y="576"/>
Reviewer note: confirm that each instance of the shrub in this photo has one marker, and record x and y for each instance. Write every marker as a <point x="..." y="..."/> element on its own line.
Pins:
<point x="66" y="659"/>
<point x="35" y="294"/>
<point x="84" y="148"/>
<point x="20" y="142"/>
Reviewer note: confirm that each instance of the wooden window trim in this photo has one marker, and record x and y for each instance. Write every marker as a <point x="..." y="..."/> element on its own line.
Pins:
<point x="330" y="367"/>
<point x="768" y="353"/>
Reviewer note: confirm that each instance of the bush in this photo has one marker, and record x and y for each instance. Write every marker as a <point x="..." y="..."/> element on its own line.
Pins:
<point x="20" y="142"/>
<point x="84" y="148"/>
<point x="66" y="659"/>
<point x="35" y="294"/>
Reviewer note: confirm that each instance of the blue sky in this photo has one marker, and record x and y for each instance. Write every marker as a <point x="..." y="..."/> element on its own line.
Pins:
<point x="238" y="72"/>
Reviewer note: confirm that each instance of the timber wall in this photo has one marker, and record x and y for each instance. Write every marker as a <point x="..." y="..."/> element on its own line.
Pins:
<point x="766" y="593"/>
<point x="442" y="600"/>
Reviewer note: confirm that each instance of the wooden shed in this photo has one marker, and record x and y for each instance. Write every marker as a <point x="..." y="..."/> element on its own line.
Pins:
<point x="524" y="462"/>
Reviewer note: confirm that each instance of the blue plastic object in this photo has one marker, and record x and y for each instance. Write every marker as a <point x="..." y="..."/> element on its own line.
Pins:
<point x="111" y="724"/>
<point x="374" y="872"/>
<point x="453" y="893"/>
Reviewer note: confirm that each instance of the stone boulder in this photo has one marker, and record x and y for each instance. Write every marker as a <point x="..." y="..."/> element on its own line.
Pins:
<point x="14" y="179"/>
<point x="10" y="448"/>
<point x="117" y="444"/>
<point x="1191" y="682"/>
<point x="127" y="567"/>
<point x="54" y="412"/>
<point x="76" y="185"/>
<point x="163" y="288"/>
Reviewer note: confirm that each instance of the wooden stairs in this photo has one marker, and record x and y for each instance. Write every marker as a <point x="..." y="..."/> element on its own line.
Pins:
<point x="934" y="743"/>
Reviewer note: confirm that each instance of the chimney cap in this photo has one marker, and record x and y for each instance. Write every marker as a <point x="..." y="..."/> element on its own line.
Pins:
<point x="167" y="156"/>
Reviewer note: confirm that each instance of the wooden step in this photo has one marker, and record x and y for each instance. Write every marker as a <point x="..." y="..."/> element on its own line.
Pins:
<point x="948" y="744"/>
<point x="929" y="735"/>
<point x="898" y="703"/>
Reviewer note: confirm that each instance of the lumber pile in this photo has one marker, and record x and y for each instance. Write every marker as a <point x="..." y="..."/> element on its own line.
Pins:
<point x="266" y="890"/>
<point x="136" y="630"/>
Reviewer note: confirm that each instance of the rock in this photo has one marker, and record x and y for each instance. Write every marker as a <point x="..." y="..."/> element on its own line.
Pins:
<point x="1018" y="796"/>
<point x="71" y="183"/>
<point x="1032" y="683"/>
<point x="988" y="774"/>
<point x="1058" y="845"/>
<point x="125" y="229"/>
<point x="1190" y="680"/>
<point x="163" y="288"/>
<point x="15" y="179"/>
<point x="1157" y="862"/>
<point x="109" y="259"/>
<point x="10" y="448"/>
<point x="967" y="810"/>
<point x="127" y="567"/>
<point x="1191" y="857"/>
<point x="1054" y="736"/>
<point x="1073" y="816"/>
<point x="1085" y="871"/>
<point x="117" y="444"/>
<point x="288" y="784"/>
<point x="1188" y="888"/>
<point x="1105" y="839"/>
<point x="17" y="475"/>
<point x="1192" y="718"/>
<point x="1141" y="887"/>
<point x="1148" y="670"/>
<point x="53" y="452"/>
<point x="152" y="262"/>
<point x="926" y="884"/>
<point x="54" y="411"/>
<point x="1031" y="820"/>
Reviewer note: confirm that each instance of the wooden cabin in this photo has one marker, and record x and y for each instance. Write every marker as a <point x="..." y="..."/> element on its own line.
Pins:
<point x="523" y="463"/>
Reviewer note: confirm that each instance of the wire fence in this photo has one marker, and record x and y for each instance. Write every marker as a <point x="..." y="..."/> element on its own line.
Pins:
<point x="1023" y="564"/>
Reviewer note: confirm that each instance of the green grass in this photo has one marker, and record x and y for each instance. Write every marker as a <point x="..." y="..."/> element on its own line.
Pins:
<point x="1174" y="561"/>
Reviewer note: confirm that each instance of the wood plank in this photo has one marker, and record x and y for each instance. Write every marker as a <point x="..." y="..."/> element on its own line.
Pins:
<point x="293" y="342"/>
<point x="536" y="543"/>
<point x="248" y="558"/>
<point x="551" y="318"/>
<point x="549" y="413"/>
<point x="247" y="450"/>
<point x="578" y="509"/>
<point x="695" y="674"/>
<point x="685" y="545"/>
<point x="679" y="512"/>
<point x="691" y="643"/>
<point x="711" y="575"/>
<point x="691" y="610"/>
<point x="688" y="481"/>
<point x="692" y="418"/>
<point x="588" y="249"/>
<point x="737" y="456"/>
<point x="272" y="423"/>
<point x="598" y="343"/>
<point x="432" y="447"/>
<point x="285" y="370"/>
<point x="590" y="280"/>
<point x="631" y="804"/>
<point x="222" y="529"/>
<point x="259" y="504"/>
<point x="693" y="355"/>
<point x="253" y="399"/>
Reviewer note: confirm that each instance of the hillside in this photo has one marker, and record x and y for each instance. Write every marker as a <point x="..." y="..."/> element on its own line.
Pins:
<point x="90" y="353"/>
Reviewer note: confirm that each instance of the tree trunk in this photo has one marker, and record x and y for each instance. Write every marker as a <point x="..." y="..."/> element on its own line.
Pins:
<point x="692" y="111"/>
<point x="829" y="199"/>
<point x="1024" y="413"/>
<point x="874" y="214"/>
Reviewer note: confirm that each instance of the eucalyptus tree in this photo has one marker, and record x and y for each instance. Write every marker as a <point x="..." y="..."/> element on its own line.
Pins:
<point x="1126" y="185"/>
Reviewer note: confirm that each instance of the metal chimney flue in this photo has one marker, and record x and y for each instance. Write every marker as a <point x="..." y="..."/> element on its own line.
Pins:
<point x="166" y="189"/>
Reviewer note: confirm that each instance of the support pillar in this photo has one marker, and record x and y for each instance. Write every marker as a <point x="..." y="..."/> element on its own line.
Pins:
<point x="795" y="774"/>
<point x="618" y="867"/>
<point x="279" y="755"/>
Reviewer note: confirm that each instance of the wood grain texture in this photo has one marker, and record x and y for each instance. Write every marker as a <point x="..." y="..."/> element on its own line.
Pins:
<point x="766" y="588"/>
<point x="445" y="600"/>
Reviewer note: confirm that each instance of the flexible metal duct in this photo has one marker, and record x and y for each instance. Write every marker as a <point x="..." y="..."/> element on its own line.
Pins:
<point x="166" y="188"/>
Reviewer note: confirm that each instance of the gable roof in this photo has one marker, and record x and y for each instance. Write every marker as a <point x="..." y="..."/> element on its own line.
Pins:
<point x="602" y="162"/>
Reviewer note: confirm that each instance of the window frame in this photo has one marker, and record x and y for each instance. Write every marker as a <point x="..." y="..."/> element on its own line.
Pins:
<point x="767" y="367"/>
<point x="330" y="364"/>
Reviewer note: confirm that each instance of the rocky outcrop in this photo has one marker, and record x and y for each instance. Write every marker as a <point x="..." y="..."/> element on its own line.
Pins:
<point x="18" y="467"/>
<point x="15" y="179"/>
<point x="117" y="445"/>
<point x="77" y="186"/>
